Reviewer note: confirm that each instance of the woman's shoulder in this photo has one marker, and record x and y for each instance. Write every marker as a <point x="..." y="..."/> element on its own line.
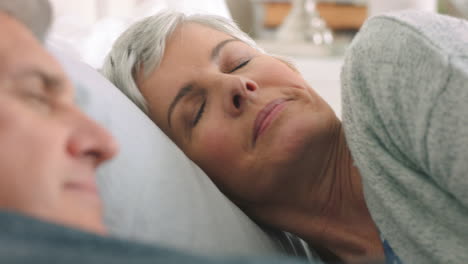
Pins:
<point x="404" y="31"/>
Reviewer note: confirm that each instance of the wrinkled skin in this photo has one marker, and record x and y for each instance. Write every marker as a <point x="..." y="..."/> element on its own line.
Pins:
<point x="232" y="88"/>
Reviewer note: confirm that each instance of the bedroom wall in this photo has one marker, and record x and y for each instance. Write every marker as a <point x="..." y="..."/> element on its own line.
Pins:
<point x="87" y="28"/>
<point x="88" y="12"/>
<point x="242" y="13"/>
<point x="83" y="11"/>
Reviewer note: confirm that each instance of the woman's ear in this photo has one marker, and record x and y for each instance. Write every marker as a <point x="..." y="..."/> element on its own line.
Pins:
<point x="286" y="61"/>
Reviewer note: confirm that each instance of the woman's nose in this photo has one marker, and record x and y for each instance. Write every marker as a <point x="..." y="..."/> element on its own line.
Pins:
<point x="89" y="141"/>
<point x="238" y="93"/>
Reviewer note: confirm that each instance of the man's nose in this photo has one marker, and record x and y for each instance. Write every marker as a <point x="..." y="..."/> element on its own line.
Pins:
<point x="91" y="142"/>
<point x="238" y="91"/>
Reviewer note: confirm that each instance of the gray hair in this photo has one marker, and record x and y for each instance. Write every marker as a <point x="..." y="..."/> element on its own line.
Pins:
<point x="142" y="46"/>
<point x="35" y="15"/>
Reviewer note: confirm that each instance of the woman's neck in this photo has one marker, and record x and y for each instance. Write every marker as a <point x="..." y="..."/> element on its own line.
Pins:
<point x="346" y="227"/>
<point x="332" y="213"/>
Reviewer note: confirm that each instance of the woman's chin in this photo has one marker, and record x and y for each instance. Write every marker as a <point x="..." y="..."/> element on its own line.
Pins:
<point x="294" y="137"/>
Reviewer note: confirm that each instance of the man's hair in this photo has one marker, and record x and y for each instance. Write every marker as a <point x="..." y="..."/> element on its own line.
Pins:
<point x="34" y="14"/>
<point x="142" y="46"/>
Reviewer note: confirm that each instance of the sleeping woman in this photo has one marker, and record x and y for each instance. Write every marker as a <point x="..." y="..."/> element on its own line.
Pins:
<point x="387" y="183"/>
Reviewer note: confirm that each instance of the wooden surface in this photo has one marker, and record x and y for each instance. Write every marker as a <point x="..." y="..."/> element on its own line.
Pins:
<point x="337" y="16"/>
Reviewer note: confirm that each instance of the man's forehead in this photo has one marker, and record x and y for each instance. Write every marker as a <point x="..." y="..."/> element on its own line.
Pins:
<point x="14" y="31"/>
<point x="21" y="50"/>
<point x="33" y="14"/>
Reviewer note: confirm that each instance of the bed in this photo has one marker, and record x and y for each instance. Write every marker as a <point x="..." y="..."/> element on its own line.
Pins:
<point x="152" y="192"/>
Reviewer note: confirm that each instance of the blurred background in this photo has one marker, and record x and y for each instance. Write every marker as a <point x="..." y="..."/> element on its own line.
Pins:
<point x="314" y="34"/>
<point x="254" y="16"/>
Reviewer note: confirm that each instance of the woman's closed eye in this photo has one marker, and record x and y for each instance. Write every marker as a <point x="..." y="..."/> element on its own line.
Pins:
<point x="199" y="114"/>
<point x="201" y="109"/>
<point x="244" y="63"/>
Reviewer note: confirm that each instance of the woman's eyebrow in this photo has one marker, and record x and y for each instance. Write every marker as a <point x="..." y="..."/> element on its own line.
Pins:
<point x="190" y="88"/>
<point x="217" y="49"/>
<point x="187" y="89"/>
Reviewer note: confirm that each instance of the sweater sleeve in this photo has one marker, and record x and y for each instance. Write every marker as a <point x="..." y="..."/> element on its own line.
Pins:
<point x="405" y="105"/>
<point x="410" y="71"/>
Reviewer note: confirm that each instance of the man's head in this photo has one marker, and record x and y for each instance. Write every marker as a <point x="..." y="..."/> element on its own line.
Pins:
<point x="35" y="15"/>
<point x="50" y="149"/>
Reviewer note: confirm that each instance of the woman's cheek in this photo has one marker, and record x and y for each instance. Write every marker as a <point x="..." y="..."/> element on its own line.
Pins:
<point x="218" y="156"/>
<point x="218" y="145"/>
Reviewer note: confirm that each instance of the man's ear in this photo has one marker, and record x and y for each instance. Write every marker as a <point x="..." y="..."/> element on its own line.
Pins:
<point x="287" y="61"/>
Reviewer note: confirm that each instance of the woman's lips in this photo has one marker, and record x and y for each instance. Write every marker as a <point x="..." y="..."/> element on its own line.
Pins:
<point x="266" y="116"/>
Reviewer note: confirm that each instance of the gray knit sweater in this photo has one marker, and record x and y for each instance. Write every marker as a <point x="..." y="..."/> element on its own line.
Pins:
<point x="405" y="114"/>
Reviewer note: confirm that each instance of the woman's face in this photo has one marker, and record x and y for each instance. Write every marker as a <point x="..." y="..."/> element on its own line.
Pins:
<point x="247" y="119"/>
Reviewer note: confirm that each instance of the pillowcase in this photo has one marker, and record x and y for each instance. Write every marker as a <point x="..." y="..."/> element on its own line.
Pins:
<point x="151" y="191"/>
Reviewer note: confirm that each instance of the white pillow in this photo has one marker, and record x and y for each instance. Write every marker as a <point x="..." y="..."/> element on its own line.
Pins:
<point x="152" y="192"/>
